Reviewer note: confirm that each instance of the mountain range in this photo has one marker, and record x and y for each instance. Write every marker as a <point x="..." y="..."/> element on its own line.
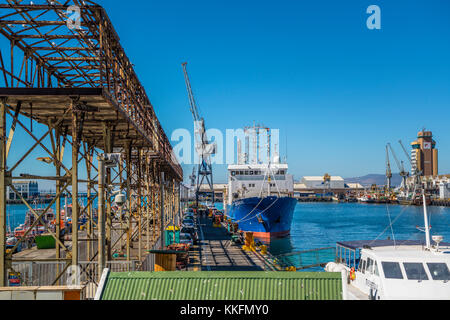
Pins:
<point x="378" y="179"/>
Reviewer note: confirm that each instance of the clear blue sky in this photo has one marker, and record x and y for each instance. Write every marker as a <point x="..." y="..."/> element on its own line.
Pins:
<point x="338" y="91"/>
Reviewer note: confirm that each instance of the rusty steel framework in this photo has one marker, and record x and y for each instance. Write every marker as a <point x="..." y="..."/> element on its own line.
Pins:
<point x="80" y="86"/>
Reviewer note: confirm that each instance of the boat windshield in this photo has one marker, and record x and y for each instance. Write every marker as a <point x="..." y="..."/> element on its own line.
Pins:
<point x="439" y="271"/>
<point x="415" y="271"/>
<point x="392" y="270"/>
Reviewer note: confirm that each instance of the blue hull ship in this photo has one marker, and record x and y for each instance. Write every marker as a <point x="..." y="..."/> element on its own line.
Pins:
<point x="268" y="217"/>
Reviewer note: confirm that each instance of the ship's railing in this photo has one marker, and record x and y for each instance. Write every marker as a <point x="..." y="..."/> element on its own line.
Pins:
<point x="307" y="259"/>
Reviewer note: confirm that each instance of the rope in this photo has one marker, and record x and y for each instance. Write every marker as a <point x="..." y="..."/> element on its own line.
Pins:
<point x="260" y="195"/>
<point x="390" y="225"/>
<point x="390" y="222"/>
<point x="261" y="211"/>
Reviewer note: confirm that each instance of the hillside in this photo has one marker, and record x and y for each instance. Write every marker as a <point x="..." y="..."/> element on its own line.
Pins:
<point x="378" y="179"/>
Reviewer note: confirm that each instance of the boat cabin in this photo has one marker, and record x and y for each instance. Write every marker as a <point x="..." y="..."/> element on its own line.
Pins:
<point x="402" y="269"/>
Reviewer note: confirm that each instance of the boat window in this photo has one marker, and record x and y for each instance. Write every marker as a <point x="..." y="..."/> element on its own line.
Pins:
<point x="246" y="173"/>
<point x="241" y="173"/>
<point x="375" y="269"/>
<point x="251" y="173"/>
<point x="233" y="173"/>
<point x="392" y="270"/>
<point x="369" y="265"/>
<point x="415" y="271"/>
<point x="439" y="271"/>
<point x="363" y="266"/>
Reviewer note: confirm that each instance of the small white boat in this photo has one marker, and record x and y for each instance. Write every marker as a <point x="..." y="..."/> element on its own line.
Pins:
<point x="394" y="270"/>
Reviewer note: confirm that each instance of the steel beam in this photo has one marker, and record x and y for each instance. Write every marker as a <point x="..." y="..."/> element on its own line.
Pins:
<point x="3" y="266"/>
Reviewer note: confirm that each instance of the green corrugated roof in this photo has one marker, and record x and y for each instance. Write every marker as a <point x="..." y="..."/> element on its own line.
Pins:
<point x="223" y="286"/>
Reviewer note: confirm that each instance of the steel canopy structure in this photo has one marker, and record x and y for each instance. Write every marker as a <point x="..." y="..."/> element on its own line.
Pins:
<point x="69" y="73"/>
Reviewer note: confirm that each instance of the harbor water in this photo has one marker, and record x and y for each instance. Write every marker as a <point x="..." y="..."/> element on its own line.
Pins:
<point x="322" y="224"/>
<point x="318" y="224"/>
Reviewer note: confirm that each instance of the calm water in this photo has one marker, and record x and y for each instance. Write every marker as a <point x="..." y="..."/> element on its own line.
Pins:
<point x="318" y="225"/>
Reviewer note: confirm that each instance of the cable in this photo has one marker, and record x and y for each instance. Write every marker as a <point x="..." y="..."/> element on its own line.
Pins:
<point x="390" y="223"/>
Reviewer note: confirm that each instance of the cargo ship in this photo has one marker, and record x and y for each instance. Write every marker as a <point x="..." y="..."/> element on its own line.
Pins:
<point x="260" y="198"/>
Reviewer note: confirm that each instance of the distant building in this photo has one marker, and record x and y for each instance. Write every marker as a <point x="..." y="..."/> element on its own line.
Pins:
<point x="444" y="190"/>
<point x="314" y="185"/>
<point x="424" y="155"/>
<point x="27" y="189"/>
<point x="316" y="182"/>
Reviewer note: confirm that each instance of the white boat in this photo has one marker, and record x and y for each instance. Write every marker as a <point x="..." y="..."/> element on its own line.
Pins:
<point x="394" y="270"/>
<point x="366" y="199"/>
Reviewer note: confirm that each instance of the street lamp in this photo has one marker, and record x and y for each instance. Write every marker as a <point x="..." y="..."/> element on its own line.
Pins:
<point x="108" y="160"/>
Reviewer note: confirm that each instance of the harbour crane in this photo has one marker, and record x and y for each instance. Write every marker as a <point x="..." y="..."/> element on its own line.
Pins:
<point x="415" y="172"/>
<point x="388" y="171"/>
<point x="192" y="177"/>
<point x="202" y="145"/>
<point x="404" y="174"/>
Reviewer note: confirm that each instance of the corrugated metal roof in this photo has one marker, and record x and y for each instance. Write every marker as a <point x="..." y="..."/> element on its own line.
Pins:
<point x="223" y="286"/>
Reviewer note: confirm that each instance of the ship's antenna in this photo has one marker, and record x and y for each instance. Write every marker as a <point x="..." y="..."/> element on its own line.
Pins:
<point x="425" y="216"/>
<point x="286" y="156"/>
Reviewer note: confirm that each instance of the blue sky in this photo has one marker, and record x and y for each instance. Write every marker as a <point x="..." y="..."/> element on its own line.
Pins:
<point x="337" y="91"/>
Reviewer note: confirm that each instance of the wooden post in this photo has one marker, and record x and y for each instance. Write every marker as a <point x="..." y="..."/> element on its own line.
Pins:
<point x="161" y="208"/>
<point x="58" y="200"/>
<point x="3" y="267"/>
<point x="108" y="149"/>
<point x="130" y="214"/>
<point x="101" y="216"/>
<point x="139" y="204"/>
<point x="75" y="146"/>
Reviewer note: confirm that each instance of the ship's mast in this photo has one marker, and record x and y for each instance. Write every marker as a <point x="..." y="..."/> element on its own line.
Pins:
<point x="425" y="216"/>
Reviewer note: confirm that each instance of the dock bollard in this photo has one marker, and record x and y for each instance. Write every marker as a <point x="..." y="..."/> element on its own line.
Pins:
<point x="249" y="242"/>
<point x="263" y="249"/>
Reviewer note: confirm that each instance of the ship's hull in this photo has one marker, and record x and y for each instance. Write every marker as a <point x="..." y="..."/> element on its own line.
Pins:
<point x="267" y="218"/>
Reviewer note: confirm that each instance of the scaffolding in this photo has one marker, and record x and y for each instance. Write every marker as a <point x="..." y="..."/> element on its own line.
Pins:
<point x="78" y="84"/>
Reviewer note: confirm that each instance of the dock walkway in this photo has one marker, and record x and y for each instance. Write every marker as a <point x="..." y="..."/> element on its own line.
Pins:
<point x="216" y="252"/>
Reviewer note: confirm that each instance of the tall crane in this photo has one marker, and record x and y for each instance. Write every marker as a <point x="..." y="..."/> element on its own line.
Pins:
<point x="404" y="174"/>
<point x="202" y="145"/>
<point x="388" y="171"/>
<point x="416" y="173"/>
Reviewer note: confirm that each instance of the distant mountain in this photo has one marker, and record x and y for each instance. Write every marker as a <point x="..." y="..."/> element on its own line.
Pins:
<point x="378" y="179"/>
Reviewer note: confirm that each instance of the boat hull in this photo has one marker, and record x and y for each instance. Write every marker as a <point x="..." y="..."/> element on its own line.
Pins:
<point x="267" y="218"/>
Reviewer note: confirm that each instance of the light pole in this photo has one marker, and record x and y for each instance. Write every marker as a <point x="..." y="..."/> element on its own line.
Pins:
<point x="104" y="161"/>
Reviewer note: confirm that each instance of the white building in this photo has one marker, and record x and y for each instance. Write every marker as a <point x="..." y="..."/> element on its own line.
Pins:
<point x="444" y="190"/>
<point x="27" y="189"/>
<point x="316" y="182"/>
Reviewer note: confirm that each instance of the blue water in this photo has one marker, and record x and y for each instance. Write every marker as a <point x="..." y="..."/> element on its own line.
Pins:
<point x="15" y="214"/>
<point x="318" y="225"/>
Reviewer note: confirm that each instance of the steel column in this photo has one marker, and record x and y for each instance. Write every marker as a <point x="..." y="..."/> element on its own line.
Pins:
<point x="3" y="266"/>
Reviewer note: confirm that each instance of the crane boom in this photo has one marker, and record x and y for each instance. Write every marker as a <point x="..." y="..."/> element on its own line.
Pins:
<point x="203" y="147"/>
<point x="400" y="166"/>
<point x="193" y="104"/>
<point x="388" y="170"/>
<point x="404" y="150"/>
